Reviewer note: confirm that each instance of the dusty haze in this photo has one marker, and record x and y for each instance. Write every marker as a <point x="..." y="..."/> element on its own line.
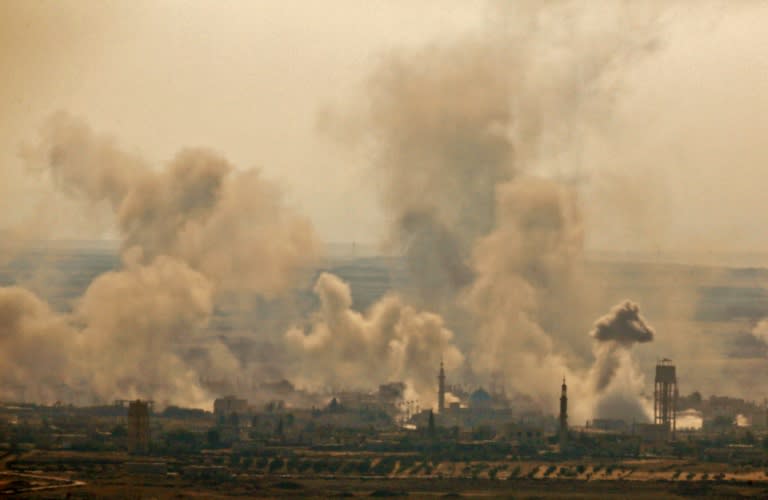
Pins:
<point x="496" y="148"/>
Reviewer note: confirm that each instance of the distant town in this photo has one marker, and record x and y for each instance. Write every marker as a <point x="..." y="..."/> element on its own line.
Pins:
<point x="345" y="249"/>
<point x="481" y="434"/>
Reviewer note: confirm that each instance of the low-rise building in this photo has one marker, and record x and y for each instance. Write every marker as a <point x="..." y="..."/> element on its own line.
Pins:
<point x="229" y="405"/>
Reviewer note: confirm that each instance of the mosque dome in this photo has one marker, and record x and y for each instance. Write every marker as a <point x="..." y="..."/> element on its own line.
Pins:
<point x="480" y="399"/>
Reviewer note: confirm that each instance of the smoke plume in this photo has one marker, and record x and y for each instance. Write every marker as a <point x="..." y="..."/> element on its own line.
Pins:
<point x="478" y="147"/>
<point x="189" y="232"/>
<point x="135" y="321"/>
<point x="623" y="325"/>
<point x="391" y="342"/>
<point x="32" y="336"/>
<point x="616" y="380"/>
<point x="440" y="120"/>
<point x="228" y="224"/>
<point x="616" y="333"/>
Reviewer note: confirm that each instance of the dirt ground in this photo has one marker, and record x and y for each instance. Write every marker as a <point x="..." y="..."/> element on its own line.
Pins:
<point x="130" y="488"/>
<point x="629" y="479"/>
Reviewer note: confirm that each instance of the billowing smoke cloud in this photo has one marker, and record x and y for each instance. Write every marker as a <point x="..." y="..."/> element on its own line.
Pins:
<point x="452" y="122"/>
<point x="135" y="321"/>
<point x="189" y="231"/>
<point x="122" y="340"/>
<point x="521" y="265"/>
<point x="434" y="256"/>
<point x="34" y="340"/>
<point x="230" y="225"/>
<point x="616" y="333"/>
<point x="623" y="325"/>
<point x="533" y="250"/>
<point x="441" y="119"/>
<point x="391" y="342"/>
<point x="616" y="380"/>
<point x="615" y="385"/>
<point x="478" y="145"/>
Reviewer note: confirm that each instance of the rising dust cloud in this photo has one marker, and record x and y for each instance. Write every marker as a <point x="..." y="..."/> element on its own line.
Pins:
<point x="476" y="146"/>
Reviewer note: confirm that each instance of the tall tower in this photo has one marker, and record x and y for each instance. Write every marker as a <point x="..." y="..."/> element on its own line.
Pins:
<point x="138" y="427"/>
<point x="665" y="395"/>
<point x="441" y="389"/>
<point x="563" y="412"/>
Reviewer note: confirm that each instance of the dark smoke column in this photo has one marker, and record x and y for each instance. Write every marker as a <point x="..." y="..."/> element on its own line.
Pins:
<point x="563" y="415"/>
<point x="665" y="396"/>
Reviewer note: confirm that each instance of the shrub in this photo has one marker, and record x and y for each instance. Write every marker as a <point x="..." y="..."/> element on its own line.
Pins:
<point x="320" y="466"/>
<point x="364" y="467"/>
<point x="304" y="466"/>
<point x="276" y="464"/>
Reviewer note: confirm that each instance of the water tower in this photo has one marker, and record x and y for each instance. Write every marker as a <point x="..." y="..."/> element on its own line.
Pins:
<point x="665" y="395"/>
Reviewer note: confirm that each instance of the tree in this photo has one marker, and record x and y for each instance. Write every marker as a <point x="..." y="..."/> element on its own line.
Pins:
<point x="696" y="397"/>
<point x="334" y="406"/>
<point x="214" y="438"/>
<point x="234" y="420"/>
<point x="181" y="441"/>
<point x="722" y="421"/>
<point x="431" y="424"/>
<point x="749" y="438"/>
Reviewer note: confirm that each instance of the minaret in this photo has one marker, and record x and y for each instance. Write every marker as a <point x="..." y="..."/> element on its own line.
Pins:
<point x="441" y="389"/>
<point x="563" y="413"/>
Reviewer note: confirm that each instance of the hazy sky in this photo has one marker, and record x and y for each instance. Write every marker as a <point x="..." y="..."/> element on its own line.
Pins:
<point x="684" y="165"/>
